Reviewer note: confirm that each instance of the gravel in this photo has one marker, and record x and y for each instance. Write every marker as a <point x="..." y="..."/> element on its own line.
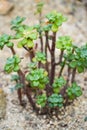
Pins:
<point x="18" y="118"/>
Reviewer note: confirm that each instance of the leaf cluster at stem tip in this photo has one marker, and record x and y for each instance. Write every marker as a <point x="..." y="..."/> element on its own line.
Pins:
<point x="29" y="35"/>
<point x="5" y="40"/>
<point x="55" y="100"/>
<point x="56" y="19"/>
<point x="40" y="57"/>
<point x="64" y="43"/>
<point x="38" y="78"/>
<point x="39" y="7"/>
<point x="12" y="64"/>
<point x="74" y="91"/>
<point x="77" y="59"/>
<point x="41" y="100"/>
<point x="58" y="84"/>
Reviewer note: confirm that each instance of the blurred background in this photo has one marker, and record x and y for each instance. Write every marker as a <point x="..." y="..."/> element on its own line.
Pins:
<point x="74" y="10"/>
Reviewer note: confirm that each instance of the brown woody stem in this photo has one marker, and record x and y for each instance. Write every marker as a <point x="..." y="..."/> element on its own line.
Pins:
<point x="28" y="94"/>
<point x="60" y="58"/>
<point x="31" y="52"/>
<point x="41" y="41"/>
<point x="73" y="75"/>
<point x="46" y="45"/>
<point x="61" y="70"/>
<point x="12" y="50"/>
<point x="68" y="76"/>
<point x="52" y="73"/>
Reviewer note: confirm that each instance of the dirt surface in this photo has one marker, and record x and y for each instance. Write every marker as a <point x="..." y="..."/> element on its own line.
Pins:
<point x="75" y="115"/>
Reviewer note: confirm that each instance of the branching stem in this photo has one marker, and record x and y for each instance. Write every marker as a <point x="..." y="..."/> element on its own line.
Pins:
<point x="26" y="89"/>
<point x="46" y="45"/>
<point x="60" y="58"/>
<point x="52" y="73"/>
<point x="73" y="75"/>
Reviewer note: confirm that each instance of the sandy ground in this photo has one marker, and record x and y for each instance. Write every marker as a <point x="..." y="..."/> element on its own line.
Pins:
<point x="18" y="118"/>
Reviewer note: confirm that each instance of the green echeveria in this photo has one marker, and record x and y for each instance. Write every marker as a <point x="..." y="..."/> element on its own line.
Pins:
<point x="12" y="64"/>
<point x="37" y="78"/>
<point x="56" y="19"/>
<point x="58" y="84"/>
<point x="74" y="91"/>
<point x="55" y="100"/>
<point x="40" y="57"/>
<point x="64" y="43"/>
<point x="41" y="100"/>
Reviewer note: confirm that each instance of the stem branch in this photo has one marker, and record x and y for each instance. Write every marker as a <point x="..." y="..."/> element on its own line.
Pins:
<point x="52" y="73"/>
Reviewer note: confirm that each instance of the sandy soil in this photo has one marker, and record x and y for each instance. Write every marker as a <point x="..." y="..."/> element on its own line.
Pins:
<point x="18" y="118"/>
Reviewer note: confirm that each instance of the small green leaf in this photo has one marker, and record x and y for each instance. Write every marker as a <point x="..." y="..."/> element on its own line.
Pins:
<point x="55" y="100"/>
<point x="6" y="68"/>
<point x="37" y="78"/>
<point x="22" y="43"/>
<point x="54" y="28"/>
<point x="73" y="64"/>
<point x="18" y="86"/>
<point x="47" y="27"/>
<point x="17" y="60"/>
<point x="17" y="20"/>
<point x="80" y="69"/>
<point x="41" y="100"/>
<point x="33" y="65"/>
<point x="64" y="42"/>
<point x="33" y="36"/>
<point x="10" y="44"/>
<point x="58" y="84"/>
<point x="18" y="36"/>
<point x="12" y="64"/>
<point x="28" y="77"/>
<point x="35" y="84"/>
<point x="41" y="86"/>
<point x="15" y="77"/>
<point x="19" y="45"/>
<point x="30" y="44"/>
<point x="16" y="68"/>
<point x="56" y="90"/>
<point x="56" y="19"/>
<point x="40" y="57"/>
<point x="74" y="91"/>
<point x="1" y="45"/>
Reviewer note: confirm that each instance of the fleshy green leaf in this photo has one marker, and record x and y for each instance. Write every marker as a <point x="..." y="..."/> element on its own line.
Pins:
<point x="80" y="69"/>
<point x="37" y="78"/>
<point x="58" y="84"/>
<point x="30" y="44"/>
<point x="54" y="28"/>
<point x="10" y="44"/>
<point x="15" y="77"/>
<point x="16" y="68"/>
<point x="73" y="64"/>
<point x="41" y="100"/>
<point x="12" y="64"/>
<point x="74" y="91"/>
<point x="55" y="100"/>
<point x="64" y="42"/>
